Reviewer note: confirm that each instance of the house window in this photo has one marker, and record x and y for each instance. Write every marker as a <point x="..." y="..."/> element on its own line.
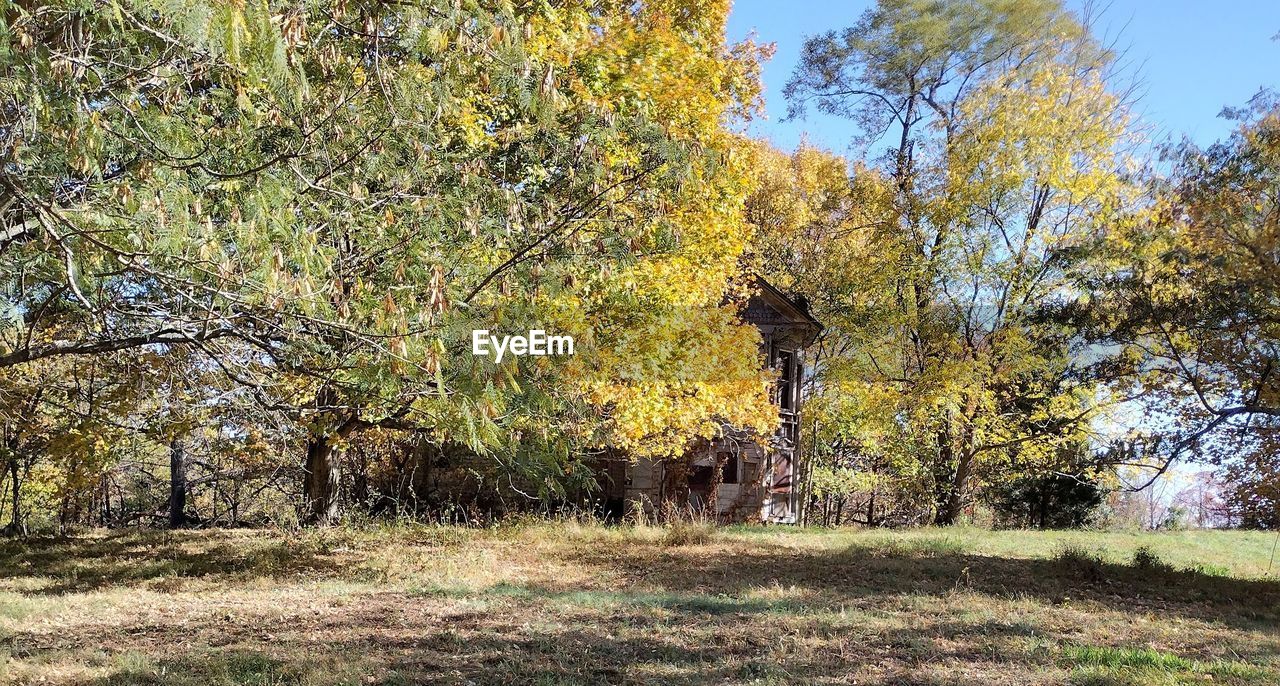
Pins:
<point x="729" y="473"/>
<point x="700" y="477"/>
<point x="786" y="380"/>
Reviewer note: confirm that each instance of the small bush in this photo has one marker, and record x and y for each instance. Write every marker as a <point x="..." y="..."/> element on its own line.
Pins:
<point x="910" y="548"/>
<point x="1146" y="559"/>
<point x="688" y="533"/>
<point x="940" y="547"/>
<point x="1080" y="562"/>
<point x="1110" y="666"/>
<point x="1209" y="570"/>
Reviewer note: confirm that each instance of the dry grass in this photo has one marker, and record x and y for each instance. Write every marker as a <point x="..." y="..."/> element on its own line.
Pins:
<point x="572" y="603"/>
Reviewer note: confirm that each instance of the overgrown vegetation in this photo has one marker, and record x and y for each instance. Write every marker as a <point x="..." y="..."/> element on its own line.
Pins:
<point x="577" y="603"/>
<point x="1001" y="273"/>
<point x="243" y="247"/>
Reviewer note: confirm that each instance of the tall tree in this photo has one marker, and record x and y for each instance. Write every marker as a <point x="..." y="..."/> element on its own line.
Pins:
<point x="1004" y="151"/>
<point x="325" y="201"/>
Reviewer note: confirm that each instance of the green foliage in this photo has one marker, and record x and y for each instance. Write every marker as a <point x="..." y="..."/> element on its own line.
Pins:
<point x="321" y="203"/>
<point x="1189" y="294"/>
<point x="266" y="231"/>
<point x="681" y="533"/>
<point x="1145" y="559"/>
<point x="945" y="360"/>
<point x="1253" y="489"/>
<point x="1080" y="562"/>
<point x="1054" y="501"/>
<point x="1140" y="658"/>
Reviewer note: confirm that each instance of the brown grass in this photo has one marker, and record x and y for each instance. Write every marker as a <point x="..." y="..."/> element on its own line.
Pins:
<point x="575" y="603"/>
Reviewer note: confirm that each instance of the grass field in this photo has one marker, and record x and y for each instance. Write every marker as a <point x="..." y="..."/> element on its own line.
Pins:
<point x="577" y="604"/>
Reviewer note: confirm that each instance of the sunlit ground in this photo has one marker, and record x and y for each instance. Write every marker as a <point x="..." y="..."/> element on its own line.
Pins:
<point x="579" y="604"/>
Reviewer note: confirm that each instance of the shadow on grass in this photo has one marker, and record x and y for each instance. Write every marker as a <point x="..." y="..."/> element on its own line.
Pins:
<point x="759" y="613"/>
<point x="74" y="565"/>
<point x="709" y="604"/>
<point x="484" y="647"/>
<point x="481" y="648"/>
<point x="830" y="578"/>
<point x="719" y="577"/>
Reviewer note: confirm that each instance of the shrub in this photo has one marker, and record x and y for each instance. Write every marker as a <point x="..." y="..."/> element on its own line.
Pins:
<point x="1146" y="559"/>
<point x="688" y="533"/>
<point x="1209" y="570"/>
<point x="1079" y="561"/>
<point x="1143" y="658"/>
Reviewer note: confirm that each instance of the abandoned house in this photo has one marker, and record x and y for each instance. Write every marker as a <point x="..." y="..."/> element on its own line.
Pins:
<point x="755" y="473"/>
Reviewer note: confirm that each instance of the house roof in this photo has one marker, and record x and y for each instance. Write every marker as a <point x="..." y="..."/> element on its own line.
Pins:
<point x="779" y="309"/>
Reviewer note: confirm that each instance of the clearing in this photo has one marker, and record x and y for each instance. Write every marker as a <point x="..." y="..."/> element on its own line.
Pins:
<point x="565" y="603"/>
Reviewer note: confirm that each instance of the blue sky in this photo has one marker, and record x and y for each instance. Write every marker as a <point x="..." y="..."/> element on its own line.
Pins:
<point x="1192" y="58"/>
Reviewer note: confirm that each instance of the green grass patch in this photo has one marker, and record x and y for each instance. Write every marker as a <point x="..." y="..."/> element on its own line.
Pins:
<point x="1130" y="658"/>
<point x="1122" y="666"/>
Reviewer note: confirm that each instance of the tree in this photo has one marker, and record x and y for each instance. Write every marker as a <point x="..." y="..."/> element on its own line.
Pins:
<point x="1069" y="497"/>
<point x="1252" y="490"/>
<point x="1004" y="153"/>
<point x="1203" y="500"/>
<point x="324" y="202"/>
<point x="1190" y="293"/>
<point x="64" y="427"/>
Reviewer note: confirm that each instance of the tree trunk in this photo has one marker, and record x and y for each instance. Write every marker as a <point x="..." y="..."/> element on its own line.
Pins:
<point x="16" y="525"/>
<point x="943" y="477"/>
<point x="1044" y="503"/>
<point x="322" y="481"/>
<point x="177" y="485"/>
<point x="954" y="503"/>
<point x="104" y="513"/>
<point x="713" y="492"/>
